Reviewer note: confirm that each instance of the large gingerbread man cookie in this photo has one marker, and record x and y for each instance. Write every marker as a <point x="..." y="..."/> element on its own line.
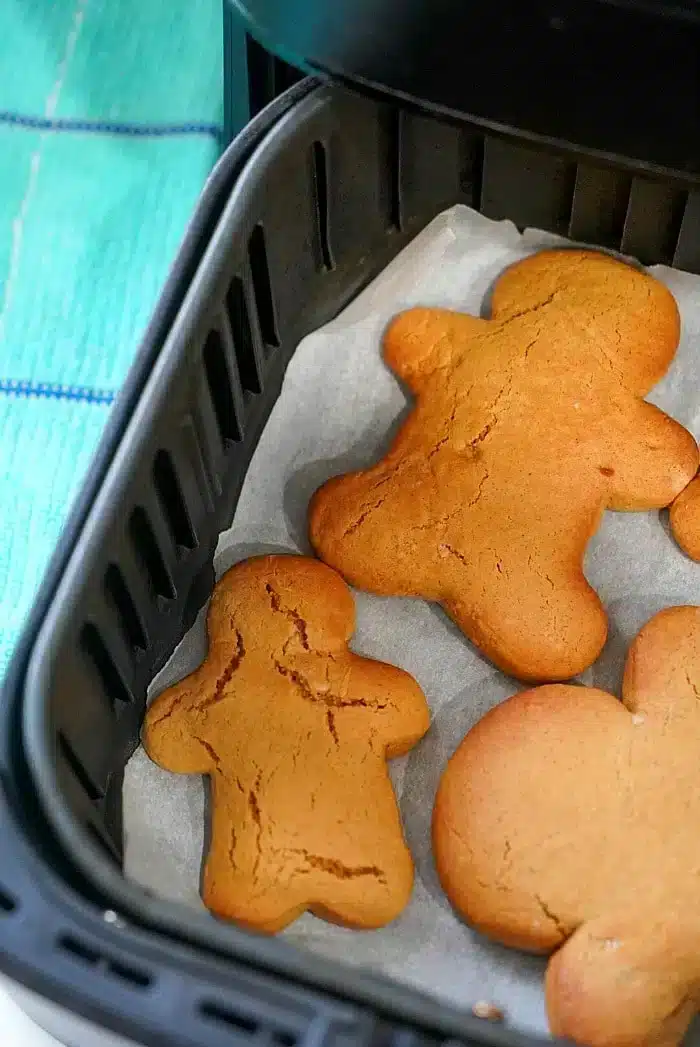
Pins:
<point x="685" y="519"/>
<point x="525" y="428"/>
<point x="570" y="821"/>
<point x="294" y="731"/>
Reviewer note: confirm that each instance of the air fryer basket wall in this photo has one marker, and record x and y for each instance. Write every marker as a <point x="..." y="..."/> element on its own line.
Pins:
<point x="335" y="190"/>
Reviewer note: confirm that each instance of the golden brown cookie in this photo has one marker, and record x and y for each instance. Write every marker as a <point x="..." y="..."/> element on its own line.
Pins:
<point x="294" y="731"/>
<point x="685" y="519"/>
<point x="568" y="821"/>
<point x="525" y="428"/>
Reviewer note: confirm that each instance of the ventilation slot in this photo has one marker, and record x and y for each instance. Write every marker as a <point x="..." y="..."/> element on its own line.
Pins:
<point x="112" y="682"/>
<point x="172" y="501"/>
<point x="146" y="546"/>
<point x="472" y="168"/>
<point x="7" y="904"/>
<point x="653" y="221"/>
<point x="687" y="253"/>
<point x="321" y="193"/>
<point x="284" y="1039"/>
<point x="243" y="337"/>
<point x="90" y="957"/>
<point x="261" y="78"/>
<point x="128" y="974"/>
<point x="394" y="168"/>
<point x="129" y="618"/>
<point x="599" y="206"/>
<point x="90" y="788"/>
<point x="531" y="188"/>
<point x="214" y="1012"/>
<point x="194" y="456"/>
<point x="219" y="382"/>
<point x="79" y="950"/>
<point x="257" y="253"/>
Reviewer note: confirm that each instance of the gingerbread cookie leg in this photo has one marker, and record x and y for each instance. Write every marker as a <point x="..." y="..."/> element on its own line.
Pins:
<point x="493" y="596"/>
<point x="371" y="888"/>
<point x="685" y="519"/>
<point x="264" y="877"/>
<point x="348" y="894"/>
<point x="571" y="631"/>
<point x="242" y="878"/>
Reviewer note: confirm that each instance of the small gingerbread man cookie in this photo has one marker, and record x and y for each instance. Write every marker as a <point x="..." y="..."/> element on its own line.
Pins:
<point x="685" y="519"/>
<point x="294" y="731"/>
<point x="525" y="428"/>
<point x="567" y="821"/>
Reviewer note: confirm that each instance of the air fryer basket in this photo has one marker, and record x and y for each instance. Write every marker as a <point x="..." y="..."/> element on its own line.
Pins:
<point x="329" y="195"/>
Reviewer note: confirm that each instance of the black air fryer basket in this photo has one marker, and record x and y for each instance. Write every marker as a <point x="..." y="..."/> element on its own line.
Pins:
<point x="306" y="207"/>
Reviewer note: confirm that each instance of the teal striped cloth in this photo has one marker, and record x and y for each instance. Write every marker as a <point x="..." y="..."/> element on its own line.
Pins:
<point x="110" y="117"/>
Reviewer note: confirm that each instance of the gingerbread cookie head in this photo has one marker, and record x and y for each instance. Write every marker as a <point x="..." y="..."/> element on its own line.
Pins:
<point x="526" y="427"/>
<point x="567" y="821"/>
<point x="628" y="308"/>
<point x="685" y="519"/>
<point x="294" y="731"/>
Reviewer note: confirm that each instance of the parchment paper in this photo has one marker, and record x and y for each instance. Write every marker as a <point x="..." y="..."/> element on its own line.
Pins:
<point x="337" y="411"/>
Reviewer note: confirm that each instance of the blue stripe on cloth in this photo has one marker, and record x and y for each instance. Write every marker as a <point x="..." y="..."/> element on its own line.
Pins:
<point x="108" y="127"/>
<point x="53" y="391"/>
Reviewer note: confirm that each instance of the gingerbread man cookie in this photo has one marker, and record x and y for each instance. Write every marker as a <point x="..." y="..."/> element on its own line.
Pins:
<point x="685" y="519"/>
<point x="294" y="731"/>
<point x="525" y="428"/>
<point x="568" y="821"/>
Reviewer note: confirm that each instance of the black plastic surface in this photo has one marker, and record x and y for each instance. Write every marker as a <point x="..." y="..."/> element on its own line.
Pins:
<point x="252" y="76"/>
<point x="297" y="218"/>
<point x="619" y="78"/>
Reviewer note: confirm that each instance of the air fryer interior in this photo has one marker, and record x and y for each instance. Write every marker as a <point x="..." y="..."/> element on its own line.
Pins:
<point x="614" y="75"/>
<point x="339" y="186"/>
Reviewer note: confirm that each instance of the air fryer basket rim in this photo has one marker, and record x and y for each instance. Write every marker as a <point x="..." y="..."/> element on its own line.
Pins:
<point x="170" y="919"/>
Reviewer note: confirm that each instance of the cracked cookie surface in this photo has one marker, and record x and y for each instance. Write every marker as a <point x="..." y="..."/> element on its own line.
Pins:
<point x="294" y="731"/>
<point x="685" y="519"/>
<point x="567" y="822"/>
<point x="525" y="428"/>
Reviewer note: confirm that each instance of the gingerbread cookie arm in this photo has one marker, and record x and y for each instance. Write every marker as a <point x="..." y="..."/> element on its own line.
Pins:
<point x="419" y="341"/>
<point x="169" y="733"/>
<point x="397" y="706"/>
<point x="685" y="519"/>
<point x="652" y="463"/>
<point x="625" y="981"/>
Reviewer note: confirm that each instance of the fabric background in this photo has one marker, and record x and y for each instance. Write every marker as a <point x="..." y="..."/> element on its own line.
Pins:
<point x="110" y="118"/>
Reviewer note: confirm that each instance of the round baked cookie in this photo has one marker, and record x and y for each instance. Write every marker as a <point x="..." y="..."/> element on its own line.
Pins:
<point x="567" y="822"/>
